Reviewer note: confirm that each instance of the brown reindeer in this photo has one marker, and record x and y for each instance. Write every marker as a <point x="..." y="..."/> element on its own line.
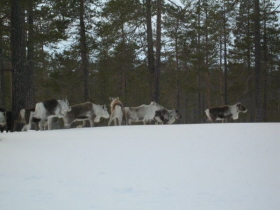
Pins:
<point x="117" y="111"/>
<point x="225" y="112"/>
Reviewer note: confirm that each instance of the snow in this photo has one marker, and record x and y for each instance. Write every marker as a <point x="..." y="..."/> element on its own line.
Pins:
<point x="166" y="167"/>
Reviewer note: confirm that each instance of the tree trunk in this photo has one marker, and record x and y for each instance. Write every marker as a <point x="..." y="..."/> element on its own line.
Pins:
<point x="151" y="59"/>
<point x="221" y="69"/>
<point x="208" y="75"/>
<point x="83" y="51"/>
<point x="248" y="55"/>
<point x="123" y="64"/>
<point x="30" y="58"/>
<point x="199" y="95"/>
<point x="257" y="53"/>
<point x="158" y="52"/>
<point x="18" y="59"/>
<point x="178" y="101"/>
<point x="265" y="66"/>
<point x="2" y="80"/>
<point x="225" y="58"/>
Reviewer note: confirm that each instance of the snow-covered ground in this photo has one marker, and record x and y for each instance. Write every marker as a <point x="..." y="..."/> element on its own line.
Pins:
<point x="170" y="167"/>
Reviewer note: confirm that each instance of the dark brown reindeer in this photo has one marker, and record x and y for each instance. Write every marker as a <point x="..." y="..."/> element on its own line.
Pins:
<point x="165" y="116"/>
<point x="225" y="112"/>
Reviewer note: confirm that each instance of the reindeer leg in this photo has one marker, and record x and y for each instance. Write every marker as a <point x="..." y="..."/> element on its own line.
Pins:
<point x="84" y="124"/>
<point x="24" y="128"/>
<point x="213" y="118"/>
<point x="41" y="124"/>
<point x="91" y="121"/>
<point x="28" y="127"/>
<point x="110" y="121"/>
<point x="120" y="119"/>
<point x="49" y="123"/>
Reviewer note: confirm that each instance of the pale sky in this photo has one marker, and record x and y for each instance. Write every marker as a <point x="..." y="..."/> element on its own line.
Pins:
<point x="277" y="2"/>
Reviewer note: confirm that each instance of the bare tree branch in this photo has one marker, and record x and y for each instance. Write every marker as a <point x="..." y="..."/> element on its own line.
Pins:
<point x="172" y="2"/>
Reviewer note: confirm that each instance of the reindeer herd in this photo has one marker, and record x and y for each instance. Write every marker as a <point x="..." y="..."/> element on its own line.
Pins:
<point x="41" y="116"/>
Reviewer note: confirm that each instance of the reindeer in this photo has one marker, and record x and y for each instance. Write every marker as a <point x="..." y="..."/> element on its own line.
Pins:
<point x="165" y="116"/>
<point x="117" y="111"/>
<point x="225" y="112"/>
<point x="143" y="113"/>
<point x="85" y="111"/>
<point x="48" y="109"/>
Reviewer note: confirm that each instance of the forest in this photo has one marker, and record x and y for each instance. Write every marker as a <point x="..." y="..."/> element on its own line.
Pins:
<point x="186" y="54"/>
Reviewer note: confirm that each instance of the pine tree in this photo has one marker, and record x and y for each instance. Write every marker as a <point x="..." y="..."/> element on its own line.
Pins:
<point x="269" y="31"/>
<point x="30" y="55"/>
<point x="242" y="53"/>
<point x="84" y="51"/>
<point x="18" y="58"/>
<point x="150" y="54"/>
<point x="158" y="52"/>
<point x="257" y="53"/>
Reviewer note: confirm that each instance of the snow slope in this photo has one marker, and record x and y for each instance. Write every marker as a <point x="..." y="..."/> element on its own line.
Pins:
<point x="170" y="167"/>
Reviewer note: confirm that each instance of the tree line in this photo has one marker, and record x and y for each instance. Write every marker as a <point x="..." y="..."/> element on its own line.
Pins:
<point x="189" y="55"/>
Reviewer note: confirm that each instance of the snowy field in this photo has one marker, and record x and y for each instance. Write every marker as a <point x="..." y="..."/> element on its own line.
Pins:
<point x="170" y="167"/>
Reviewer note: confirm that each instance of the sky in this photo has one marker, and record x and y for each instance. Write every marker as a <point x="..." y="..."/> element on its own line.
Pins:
<point x="277" y="2"/>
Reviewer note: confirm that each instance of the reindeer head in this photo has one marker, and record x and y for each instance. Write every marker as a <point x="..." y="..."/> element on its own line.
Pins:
<point x="241" y="107"/>
<point x="2" y="119"/>
<point x="112" y="98"/>
<point x="64" y="104"/>
<point x="104" y="112"/>
<point x="156" y="105"/>
<point x="178" y="115"/>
